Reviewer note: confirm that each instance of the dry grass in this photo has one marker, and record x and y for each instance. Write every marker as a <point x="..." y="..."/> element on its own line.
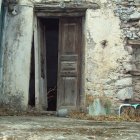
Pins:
<point x="126" y="116"/>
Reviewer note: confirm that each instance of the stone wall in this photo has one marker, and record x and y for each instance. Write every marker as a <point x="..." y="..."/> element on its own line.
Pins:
<point x="129" y="13"/>
<point x="106" y="57"/>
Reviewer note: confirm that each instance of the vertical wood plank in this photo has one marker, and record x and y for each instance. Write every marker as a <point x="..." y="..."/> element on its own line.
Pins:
<point x="36" y="50"/>
<point x="40" y="65"/>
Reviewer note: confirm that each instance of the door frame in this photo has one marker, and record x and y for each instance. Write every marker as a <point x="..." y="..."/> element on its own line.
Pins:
<point x="42" y="14"/>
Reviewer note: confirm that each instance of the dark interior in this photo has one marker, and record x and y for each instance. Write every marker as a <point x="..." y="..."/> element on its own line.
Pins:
<point x="52" y="29"/>
<point x="32" y="79"/>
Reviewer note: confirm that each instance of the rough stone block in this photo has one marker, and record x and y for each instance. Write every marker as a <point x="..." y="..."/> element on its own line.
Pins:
<point x="125" y="93"/>
<point x="124" y="82"/>
<point x="135" y="16"/>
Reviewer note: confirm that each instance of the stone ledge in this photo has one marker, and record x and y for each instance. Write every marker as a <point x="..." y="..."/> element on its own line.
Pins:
<point x="126" y="4"/>
<point x="135" y="72"/>
<point x="134" y="42"/>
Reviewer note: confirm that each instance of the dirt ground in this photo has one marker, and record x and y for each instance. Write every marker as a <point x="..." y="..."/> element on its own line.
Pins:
<point x="57" y="128"/>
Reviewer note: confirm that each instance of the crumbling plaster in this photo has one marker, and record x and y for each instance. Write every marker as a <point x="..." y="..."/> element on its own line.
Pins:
<point x="111" y="64"/>
<point x="106" y="57"/>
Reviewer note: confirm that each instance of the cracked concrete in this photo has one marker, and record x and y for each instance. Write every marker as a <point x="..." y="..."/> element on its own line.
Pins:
<point x="54" y="128"/>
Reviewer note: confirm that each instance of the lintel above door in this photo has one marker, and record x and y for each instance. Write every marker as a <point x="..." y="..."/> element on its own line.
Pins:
<point x="51" y="5"/>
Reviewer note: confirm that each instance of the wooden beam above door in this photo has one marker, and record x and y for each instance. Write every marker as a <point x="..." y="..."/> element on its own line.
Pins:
<point x="65" y="6"/>
<point x="60" y="14"/>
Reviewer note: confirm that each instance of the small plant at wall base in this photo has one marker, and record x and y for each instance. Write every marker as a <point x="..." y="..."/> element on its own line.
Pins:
<point x="89" y="99"/>
<point x="106" y="102"/>
<point x="127" y="115"/>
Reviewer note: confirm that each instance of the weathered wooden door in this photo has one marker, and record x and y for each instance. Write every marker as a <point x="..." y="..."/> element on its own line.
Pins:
<point x="69" y="54"/>
<point x="43" y="73"/>
<point x="40" y="65"/>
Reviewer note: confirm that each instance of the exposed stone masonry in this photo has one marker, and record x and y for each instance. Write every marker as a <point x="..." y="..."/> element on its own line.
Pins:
<point x="113" y="64"/>
<point x="129" y="13"/>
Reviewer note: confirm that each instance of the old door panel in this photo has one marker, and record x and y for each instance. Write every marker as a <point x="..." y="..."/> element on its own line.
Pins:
<point x="69" y="63"/>
<point x="68" y="92"/>
<point x="40" y="65"/>
<point x="43" y="96"/>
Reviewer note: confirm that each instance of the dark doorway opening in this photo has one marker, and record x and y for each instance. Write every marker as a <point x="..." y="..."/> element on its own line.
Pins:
<point x="52" y="37"/>
<point x="31" y="101"/>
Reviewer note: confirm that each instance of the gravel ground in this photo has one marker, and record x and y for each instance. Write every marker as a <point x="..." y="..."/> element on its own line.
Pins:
<point x="55" y="128"/>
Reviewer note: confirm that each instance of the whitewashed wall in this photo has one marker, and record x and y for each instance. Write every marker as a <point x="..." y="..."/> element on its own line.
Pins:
<point x="17" y="53"/>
